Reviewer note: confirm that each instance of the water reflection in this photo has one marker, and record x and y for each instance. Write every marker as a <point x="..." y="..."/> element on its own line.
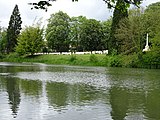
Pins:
<point x="59" y="92"/>
<point x="152" y="104"/>
<point x="135" y="94"/>
<point x="32" y="88"/>
<point x="12" y="86"/>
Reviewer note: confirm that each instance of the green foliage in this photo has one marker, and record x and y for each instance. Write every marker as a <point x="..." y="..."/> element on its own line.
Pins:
<point x="57" y="32"/>
<point x="1" y="56"/>
<point x="3" y="41"/>
<point x="152" y="59"/>
<point x="114" y="52"/>
<point x="151" y="19"/>
<point x="132" y="61"/>
<point x="91" y="35"/>
<point x="12" y="56"/>
<point x="156" y="40"/>
<point x="72" y="58"/>
<point x="106" y="30"/>
<point x="130" y="34"/>
<point x="115" y="61"/>
<point x="93" y="58"/>
<point x="30" y="41"/>
<point x="13" y="29"/>
<point x="74" y="34"/>
<point x="120" y="12"/>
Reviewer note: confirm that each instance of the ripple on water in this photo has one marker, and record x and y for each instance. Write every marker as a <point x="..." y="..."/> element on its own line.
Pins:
<point x="94" y="79"/>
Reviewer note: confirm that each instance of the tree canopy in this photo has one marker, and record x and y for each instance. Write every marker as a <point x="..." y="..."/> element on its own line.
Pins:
<point x="30" y="40"/>
<point x="57" y="32"/>
<point x="91" y="35"/>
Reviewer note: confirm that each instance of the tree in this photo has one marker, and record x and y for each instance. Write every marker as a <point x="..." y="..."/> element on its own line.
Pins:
<point x="75" y="29"/>
<point x="3" y="40"/>
<point x="106" y="28"/>
<point x="13" y="29"/>
<point x="152" y="26"/>
<point x="30" y="40"/>
<point x="120" y="13"/>
<point x="156" y="42"/>
<point x="91" y="35"/>
<point x="130" y="34"/>
<point x="57" y="32"/>
<point x="151" y="18"/>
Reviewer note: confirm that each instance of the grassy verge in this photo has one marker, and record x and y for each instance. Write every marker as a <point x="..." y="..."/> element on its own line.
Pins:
<point x="133" y="61"/>
<point x="82" y="60"/>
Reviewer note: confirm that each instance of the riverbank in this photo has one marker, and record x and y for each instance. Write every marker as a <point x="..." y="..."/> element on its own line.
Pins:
<point x="132" y="61"/>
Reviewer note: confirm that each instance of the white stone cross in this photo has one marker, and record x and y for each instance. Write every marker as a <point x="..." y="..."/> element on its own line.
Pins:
<point x="147" y="46"/>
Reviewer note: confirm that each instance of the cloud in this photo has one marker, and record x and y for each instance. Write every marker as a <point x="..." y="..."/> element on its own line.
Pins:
<point x="95" y="9"/>
<point x="147" y="2"/>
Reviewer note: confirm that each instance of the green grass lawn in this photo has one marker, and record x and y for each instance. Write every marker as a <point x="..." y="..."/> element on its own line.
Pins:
<point x="83" y="60"/>
<point x="132" y="61"/>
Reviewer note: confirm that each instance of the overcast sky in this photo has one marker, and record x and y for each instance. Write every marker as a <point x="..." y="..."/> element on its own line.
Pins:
<point x="96" y="9"/>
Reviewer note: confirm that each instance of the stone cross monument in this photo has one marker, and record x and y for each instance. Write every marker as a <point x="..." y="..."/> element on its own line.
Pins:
<point x="147" y="46"/>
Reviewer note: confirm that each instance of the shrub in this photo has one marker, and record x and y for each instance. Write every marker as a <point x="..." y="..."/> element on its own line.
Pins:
<point x="151" y="59"/>
<point x="115" y="61"/>
<point x="72" y="58"/>
<point x="1" y="56"/>
<point x="93" y="58"/>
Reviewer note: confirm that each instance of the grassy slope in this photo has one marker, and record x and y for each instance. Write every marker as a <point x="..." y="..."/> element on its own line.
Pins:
<point x="133" y="61"/>
<point x="60" y="59"/>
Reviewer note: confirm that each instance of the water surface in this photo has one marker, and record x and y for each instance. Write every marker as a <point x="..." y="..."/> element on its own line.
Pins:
<point x="50" y="92"/>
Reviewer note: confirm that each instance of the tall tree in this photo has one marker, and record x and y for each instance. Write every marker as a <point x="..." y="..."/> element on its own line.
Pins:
<point x="130" y="34"/>
<point x="57" y="32"/>
<point x="151" y="17"/>
<point x="106" y="27"/>
<point x="152" y="25"/>
<point x="75" y="29"/>
<point x="91" y="35"/>
<point x="120" y="12"/>
<point x="13" y="29"/>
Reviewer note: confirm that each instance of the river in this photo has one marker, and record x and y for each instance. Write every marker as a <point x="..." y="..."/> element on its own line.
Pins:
<point x="57" y="92"/>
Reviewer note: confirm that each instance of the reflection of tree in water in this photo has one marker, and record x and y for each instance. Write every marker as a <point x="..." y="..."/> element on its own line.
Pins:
<point x="134" y="103"/>
<point x="30" y="87"/>
<point x="57" y="94"/>
<point x="60" y="94"/>
<point x="119" y="103"/>
<point x="13" y="94"/>
<point x="82" y="93"/>
<point x="152" y="104"/>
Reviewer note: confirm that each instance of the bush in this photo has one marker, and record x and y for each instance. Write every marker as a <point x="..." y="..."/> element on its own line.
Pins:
<point x="115" y="61"/>
<point x="151" y="59"/>
<point x="72" y="58"/>
<point x="12" y="56"/>
<point x="133" y="61"/>
<point x="1" y="56"/>
<point x="93" y="58"/>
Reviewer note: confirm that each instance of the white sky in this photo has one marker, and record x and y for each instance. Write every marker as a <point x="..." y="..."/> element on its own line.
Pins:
<point x="96" y="9"/>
